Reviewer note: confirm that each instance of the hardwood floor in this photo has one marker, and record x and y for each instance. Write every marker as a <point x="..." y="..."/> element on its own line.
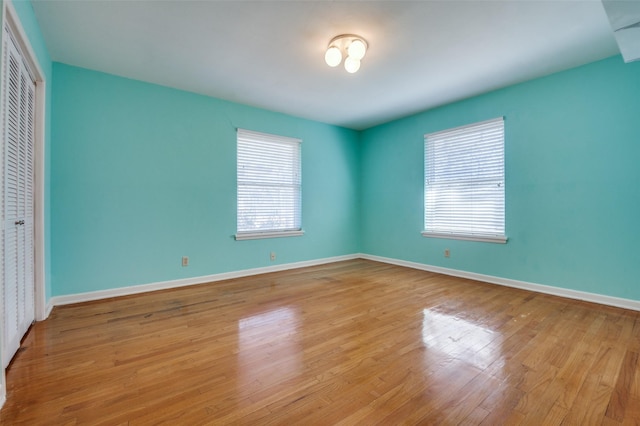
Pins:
<point x="354" y="342"/>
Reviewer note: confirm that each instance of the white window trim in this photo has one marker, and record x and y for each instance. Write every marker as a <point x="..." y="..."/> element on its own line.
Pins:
<point x="258" y="235"/>
<point x="501" y="239"/>
<point x="488" y="238"/>
<point x="271" y="233"/>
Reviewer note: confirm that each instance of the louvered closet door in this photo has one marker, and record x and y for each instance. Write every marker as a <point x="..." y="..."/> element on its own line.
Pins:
<point x="18" y="126"/>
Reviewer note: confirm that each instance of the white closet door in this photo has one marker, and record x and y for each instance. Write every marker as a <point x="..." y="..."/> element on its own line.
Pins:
<point x="18" y="126"/>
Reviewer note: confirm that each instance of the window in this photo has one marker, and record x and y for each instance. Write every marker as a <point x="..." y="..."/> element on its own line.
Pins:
<point x="269" y="186"/>
<point x="464" y="182"/>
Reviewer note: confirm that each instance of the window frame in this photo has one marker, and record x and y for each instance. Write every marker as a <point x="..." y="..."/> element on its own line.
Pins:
<point x="249" y="137"/>
<point x="468" y="234"/>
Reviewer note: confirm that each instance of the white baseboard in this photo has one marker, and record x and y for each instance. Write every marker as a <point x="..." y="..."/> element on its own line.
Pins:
<point x="539" y="288"/>
<point x="143" y="288"/>
<point x="48" y="308"/>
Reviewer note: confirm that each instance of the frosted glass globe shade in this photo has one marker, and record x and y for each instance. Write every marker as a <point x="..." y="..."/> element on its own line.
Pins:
<point x="333" y="57"/>
<point x="357" y="49"/>
<point x="351" y="65"/>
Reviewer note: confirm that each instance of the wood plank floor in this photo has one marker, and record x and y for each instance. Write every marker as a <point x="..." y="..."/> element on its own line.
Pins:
<point x="347" y="343"/>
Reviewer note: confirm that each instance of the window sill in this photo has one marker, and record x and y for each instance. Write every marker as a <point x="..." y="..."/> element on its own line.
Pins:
<point x="274" y="234"/>
<point x="499" y="239"/>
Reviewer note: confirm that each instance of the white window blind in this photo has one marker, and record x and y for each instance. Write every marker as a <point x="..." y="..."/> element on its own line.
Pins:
<point x="464" y="182"/>
<point x="269" y="186"/>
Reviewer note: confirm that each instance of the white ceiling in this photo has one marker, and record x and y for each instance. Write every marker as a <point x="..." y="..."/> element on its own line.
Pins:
<point x="270" y="54"/>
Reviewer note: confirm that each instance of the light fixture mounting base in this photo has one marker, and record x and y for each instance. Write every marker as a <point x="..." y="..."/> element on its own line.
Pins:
<point x="343" y="40"/>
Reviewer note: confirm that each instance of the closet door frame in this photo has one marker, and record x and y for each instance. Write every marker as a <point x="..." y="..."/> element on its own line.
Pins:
<point x="42" y="308"/>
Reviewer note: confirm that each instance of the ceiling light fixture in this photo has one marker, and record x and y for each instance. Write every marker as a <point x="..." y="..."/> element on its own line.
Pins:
<point x="352" y="46"/>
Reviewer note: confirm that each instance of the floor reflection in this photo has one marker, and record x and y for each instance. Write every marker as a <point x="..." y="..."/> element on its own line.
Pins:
<point x="461" y="339"/>
<point x="269" y="349"/>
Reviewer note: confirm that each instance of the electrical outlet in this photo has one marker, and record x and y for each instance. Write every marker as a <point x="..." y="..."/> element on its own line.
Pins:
<point x="272" y="256"/>
<point x="447" y="253"/>
<point x="185" y="260"/>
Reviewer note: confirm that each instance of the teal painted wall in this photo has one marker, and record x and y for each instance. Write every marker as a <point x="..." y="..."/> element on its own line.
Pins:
<point x="32" y="30"/>
<point x="143" y="175"/>
<point x="572" y="148"/>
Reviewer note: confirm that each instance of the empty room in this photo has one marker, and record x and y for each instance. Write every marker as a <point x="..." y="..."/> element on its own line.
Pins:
<point x="320" y="212"/>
